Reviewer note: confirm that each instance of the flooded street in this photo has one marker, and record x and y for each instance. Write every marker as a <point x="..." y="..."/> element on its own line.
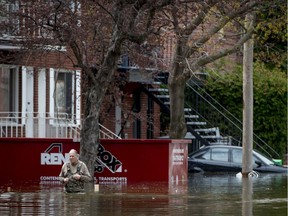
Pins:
<point x="202" y="195"/>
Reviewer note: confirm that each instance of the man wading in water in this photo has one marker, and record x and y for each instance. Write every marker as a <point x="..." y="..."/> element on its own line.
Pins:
<point x="74" y="173"/>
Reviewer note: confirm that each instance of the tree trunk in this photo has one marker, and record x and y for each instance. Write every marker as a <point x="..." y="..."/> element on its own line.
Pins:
<point x="90" y="127"/>
<point x="247" y="162"/>
<point x="178" y="127"/>
<point x="177" y="84"/>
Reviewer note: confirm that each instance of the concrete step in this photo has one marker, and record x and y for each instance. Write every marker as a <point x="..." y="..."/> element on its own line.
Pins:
<point x="191" y="116"/>
<point x="212" y="137"/>
<point x="158" y="90"/>
<point x="162" y="96"/>
<point x="157" y="83"/>
<point x="207" y="130"/>
<point x="196" y="123"/>
<point x="159" y="77"/>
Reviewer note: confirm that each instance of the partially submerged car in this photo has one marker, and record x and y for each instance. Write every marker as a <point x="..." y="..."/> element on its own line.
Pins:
<point x="229" y="159"/>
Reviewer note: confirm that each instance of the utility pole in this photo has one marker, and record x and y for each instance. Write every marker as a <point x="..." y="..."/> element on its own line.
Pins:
<point x="247" y="162"/>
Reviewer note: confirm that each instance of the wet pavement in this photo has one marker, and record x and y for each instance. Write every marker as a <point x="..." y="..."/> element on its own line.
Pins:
<point x="201" y="195"/>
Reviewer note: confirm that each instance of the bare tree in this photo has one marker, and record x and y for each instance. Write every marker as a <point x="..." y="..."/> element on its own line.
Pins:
<point x="94" y="33"/>
<point x="204" y="31"/>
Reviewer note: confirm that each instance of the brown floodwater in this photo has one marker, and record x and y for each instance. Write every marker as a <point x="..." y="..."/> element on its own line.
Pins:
<point x="201" y="195"/>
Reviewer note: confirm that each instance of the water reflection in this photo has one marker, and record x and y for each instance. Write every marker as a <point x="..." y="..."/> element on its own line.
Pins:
<point x="202" y="195"/>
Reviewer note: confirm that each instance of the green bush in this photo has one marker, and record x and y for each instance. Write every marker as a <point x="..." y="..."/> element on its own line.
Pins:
<point x="270" y="102"/>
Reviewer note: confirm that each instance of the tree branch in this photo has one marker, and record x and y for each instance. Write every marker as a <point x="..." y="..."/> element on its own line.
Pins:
<point x="222" y="22"/>
<point x="197" y="20"/>
<point x="210" y="58"/>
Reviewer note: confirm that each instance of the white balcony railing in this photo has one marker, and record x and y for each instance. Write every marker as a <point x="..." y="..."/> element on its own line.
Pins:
<point x="43" y="125"/>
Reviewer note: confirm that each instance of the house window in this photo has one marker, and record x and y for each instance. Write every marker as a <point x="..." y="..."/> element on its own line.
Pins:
<point x="150" y="121"/>
<point x="9" y="22"/>
<point x="137" y="129"/>
<point x="8" y="91"/>
<point x="75" y="6"/>
<point x="63" y="93"/>
<point x="137" y="109"/>
<point x="137" y="101"/>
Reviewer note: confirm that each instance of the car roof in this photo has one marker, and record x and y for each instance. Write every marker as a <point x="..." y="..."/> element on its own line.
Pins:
<point x="215" y="146"/>
<point x="222" y="146"/>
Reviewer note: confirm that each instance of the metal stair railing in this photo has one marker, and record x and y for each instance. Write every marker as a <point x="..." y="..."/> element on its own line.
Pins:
<point x="105" y="133"/>
<point x="230" y="121"/>
<point x="209" y="131"/>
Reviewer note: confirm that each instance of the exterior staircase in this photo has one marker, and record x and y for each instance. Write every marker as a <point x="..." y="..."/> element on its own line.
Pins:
<point x="201" y="129"/>
<point x="197" y="128"/>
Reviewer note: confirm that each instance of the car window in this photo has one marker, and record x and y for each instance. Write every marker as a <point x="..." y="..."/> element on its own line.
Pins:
<point x="204" y="155"/>
<point x="219" y="154"/>
<point x="236" y="156"/>
<point x="254" y="160"/>
<point x="262" y="158"/>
